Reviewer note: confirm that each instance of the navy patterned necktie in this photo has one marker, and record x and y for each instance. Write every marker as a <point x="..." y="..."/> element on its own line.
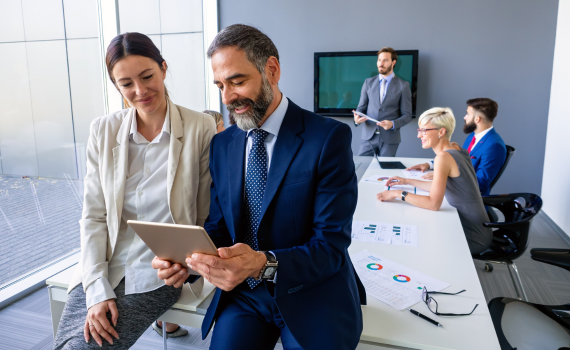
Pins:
<point x="255" y="180"/>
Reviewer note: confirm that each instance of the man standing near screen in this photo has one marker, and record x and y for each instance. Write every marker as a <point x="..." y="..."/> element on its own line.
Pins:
<point x="388" y="99"/>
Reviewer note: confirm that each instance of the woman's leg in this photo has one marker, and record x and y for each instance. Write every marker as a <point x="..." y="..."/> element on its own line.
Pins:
<point x="136" y="313"/>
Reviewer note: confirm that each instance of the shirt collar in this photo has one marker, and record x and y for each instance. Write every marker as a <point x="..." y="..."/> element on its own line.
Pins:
<point x="138" y="138"/>
<point x="274" y="121"/>
<point x="388" y="78"/>
<point x="482" y="133"/>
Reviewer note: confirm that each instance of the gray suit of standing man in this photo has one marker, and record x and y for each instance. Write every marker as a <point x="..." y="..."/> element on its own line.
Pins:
<point x="387" y="99"/>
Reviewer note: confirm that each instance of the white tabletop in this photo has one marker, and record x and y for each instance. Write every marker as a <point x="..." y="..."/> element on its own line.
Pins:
<point x="442" y="253"/>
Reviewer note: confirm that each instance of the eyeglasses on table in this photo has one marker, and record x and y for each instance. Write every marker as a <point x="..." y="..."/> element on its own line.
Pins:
<point x="432" y="304"/>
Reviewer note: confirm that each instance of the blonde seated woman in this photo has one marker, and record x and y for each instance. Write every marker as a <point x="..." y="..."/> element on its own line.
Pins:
<point x="454" y="178"/>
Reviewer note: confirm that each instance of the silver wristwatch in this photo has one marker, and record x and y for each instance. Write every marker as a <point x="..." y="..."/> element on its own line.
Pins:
<point x="269" y="270"/>
<point x="404" y="194"/>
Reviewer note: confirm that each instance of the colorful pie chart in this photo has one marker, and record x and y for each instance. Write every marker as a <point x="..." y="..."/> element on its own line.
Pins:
<point x="402" y="278"/>
<point x="374" y="266"/>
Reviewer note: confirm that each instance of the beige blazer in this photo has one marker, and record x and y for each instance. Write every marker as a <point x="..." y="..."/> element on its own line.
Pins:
<point x="188" y="182"/>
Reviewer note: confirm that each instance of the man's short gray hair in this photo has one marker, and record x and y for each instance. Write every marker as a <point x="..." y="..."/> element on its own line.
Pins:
<point x="257" y="46"/>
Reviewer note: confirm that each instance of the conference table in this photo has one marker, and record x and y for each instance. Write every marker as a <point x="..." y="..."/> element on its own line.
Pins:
<point x="442" y="253"/>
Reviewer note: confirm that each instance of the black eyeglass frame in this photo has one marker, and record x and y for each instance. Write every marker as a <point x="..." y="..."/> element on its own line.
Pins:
<point x="426" y="299"/>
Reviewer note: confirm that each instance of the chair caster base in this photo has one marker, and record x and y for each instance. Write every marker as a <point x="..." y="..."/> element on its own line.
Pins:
<point x="488" y="267"/>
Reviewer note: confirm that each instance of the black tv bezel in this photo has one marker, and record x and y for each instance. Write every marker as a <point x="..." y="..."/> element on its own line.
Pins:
<point x="347" y="112"/>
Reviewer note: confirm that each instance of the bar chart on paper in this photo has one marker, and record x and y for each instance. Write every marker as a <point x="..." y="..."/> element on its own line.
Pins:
<point x="384" y="233"/>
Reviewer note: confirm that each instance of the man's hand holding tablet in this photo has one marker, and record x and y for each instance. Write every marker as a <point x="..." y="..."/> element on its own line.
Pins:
<point x="232" y="267"/>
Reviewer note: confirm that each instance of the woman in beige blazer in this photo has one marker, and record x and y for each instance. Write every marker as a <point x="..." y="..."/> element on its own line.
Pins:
<point x="148" y="162"/>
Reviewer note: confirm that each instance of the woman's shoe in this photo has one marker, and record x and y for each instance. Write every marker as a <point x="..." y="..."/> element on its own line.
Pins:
<point x="179" y="332"/>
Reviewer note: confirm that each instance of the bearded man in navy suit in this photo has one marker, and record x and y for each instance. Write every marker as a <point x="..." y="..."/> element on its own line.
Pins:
<point x="484" y="144"/>
<point x="283" y="194"/>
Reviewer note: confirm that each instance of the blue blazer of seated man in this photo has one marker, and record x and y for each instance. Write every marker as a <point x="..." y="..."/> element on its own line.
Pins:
<point x="283" y="194"/>
<point x="485" y="146"/>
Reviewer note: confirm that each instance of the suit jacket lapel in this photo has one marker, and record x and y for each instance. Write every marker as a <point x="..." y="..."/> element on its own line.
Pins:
<point x="176" y="132"/>
<point x="120" y="163"/>
<point x="480" y="143"/>
<point x="236" y="177"/>
<point x="286" y="147"/>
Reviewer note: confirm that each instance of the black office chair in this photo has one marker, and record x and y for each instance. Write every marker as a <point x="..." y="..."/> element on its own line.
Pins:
<point x="543" y="326"/>
<point x="510" y="153"/>
<point x="510" y="240"/>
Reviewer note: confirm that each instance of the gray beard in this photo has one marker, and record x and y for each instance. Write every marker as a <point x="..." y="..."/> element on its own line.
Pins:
<point x="252" y="118"/>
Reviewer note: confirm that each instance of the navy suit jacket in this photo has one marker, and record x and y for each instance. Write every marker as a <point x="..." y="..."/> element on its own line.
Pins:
<point x="306" y="218"/>
<point x="487" y="157"/>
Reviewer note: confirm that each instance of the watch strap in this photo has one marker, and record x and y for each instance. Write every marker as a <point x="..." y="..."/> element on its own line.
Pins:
<point x="271" y="263"/>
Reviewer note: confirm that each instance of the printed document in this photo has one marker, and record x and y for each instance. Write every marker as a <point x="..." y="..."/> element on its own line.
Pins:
<point x="365" y="116"/>
<point x="379" y="232"/>
<point x="414" y="174"/>
<point x="391" y="283"/>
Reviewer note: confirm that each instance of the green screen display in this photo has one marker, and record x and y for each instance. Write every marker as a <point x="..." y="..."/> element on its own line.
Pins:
<point x="341" y="78"/>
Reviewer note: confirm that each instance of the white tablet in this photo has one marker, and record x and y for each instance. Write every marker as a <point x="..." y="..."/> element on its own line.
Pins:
<point x="174" y="242"/>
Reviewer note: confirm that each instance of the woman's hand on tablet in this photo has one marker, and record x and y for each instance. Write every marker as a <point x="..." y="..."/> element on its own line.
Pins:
<point x="172" y="274"/>
<point x="235" y="264"/>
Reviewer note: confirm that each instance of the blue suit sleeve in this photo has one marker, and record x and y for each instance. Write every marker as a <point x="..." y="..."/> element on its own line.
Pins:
<point x="215" y="224"/>
<point x="491" y="162"/>
<point x="336" y="194"/>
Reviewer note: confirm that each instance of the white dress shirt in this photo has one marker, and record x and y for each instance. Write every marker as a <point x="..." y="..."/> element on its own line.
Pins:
<point x="145" y="200"/>
<point x="479" y="136"/>
<point x="272" y="126"/>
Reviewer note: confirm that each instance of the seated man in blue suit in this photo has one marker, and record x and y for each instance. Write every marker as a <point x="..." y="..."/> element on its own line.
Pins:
<point x="485" y="146"/>
<point x="283" y="194"/>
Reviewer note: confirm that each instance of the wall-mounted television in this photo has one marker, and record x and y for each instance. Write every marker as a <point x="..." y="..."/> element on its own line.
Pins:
<point x="339" y="77"/>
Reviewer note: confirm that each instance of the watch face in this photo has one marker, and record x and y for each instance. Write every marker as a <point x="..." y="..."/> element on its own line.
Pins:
<point x="269" y="271"/>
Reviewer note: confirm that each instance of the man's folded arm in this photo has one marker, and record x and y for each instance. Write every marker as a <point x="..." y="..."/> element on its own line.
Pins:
<point x="335" y="201"/>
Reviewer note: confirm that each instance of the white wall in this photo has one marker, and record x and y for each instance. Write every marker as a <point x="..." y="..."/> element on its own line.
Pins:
<point x="555" y="182"/>
<point x="176" y="28"/>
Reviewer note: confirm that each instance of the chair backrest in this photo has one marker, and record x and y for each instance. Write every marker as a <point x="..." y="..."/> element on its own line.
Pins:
<point x="518" y="209"/>
<point x="510" y="152"/>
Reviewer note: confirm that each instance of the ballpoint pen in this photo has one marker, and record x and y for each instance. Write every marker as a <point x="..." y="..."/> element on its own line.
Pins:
<point x="393" y="181"/>
<point x="434" y="322"/>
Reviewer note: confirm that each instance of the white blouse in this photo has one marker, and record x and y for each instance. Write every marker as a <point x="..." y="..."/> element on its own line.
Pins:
<point x="145" y="200"/>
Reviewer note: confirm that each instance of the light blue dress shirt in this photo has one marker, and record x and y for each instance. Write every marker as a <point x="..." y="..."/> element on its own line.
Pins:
<point x="388" y="80"/>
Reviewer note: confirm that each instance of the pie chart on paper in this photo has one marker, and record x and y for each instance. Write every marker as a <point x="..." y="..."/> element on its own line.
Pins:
<point x="374" y="266"/>
<point x="402" y="278"/>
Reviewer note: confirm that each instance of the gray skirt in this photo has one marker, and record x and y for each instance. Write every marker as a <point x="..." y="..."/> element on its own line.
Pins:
<point x="136" y="314"/>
